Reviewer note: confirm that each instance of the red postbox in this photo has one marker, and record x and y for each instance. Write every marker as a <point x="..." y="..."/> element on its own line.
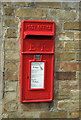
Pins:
<point x="37" y="61"/>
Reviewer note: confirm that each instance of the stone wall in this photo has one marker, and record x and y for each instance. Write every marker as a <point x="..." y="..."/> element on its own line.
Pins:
<point x="66" y="103"/>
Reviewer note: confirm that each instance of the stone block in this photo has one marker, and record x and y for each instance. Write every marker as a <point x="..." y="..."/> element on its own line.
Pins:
<point x="12" y="55"/>
<point x="11" y="22"/>
<point x="35" y="12"/>
<point x="9" y="11"/>
<point x="60" y="56"/>
<point x="11" y="33"/>
<point x="68" y="104"/>
<point x="48" y="4"/>
<point x="11" y="44"/>
<point x="59" y="114"/>
<point x="62" y="14"/>
<point x="72" y="25"/>
<point x="10" y="86"/>
<point x="65" y="75"/>
<point x="11" y="75"/>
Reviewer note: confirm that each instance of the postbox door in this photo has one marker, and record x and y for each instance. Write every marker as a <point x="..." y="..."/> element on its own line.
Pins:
<point x="37" y="77"/>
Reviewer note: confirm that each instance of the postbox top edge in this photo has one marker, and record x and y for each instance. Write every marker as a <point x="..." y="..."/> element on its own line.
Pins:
<point x="39" y="21"/>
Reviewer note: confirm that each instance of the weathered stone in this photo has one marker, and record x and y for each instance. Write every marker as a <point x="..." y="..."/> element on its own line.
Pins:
<point x="48" y="4"/>
<point x="68" y="104"/>
<point x="63" y="14"/>
<point x="66" y="36"/>
<point x="9" y="11"/>
<point x="65" y="56"/>
<point x="72" y="26"/>
<point x="11" y="22"/>
<point x="70" y="5"/>
<point x="68" y="85"/>
<point x="11" y="33"/>
<point x="59" y="45"/>
<point x="68" y="46"/>
<point x="22" y="4"/>
<point x="12" y="55"/>
<point x="74" y="95"/>
<point x="11" y="66"/>
<point x="11" y="75"/>
<point x="10" y="106"/>
<point x="75" y="114"/>
<point x="62" y="94"/>
<point x="65" y="75"/>
<point x="78" y="56"/>
<point x="33" y="107"/>
<point x="9" y="96"/>
<point x="77" y="36"/>
<point x="10" y="85"/>
<point x="11" y="44"/>
<point x="35" y="12"/>
<point x="59" y="114"/>
<point x="70" y="66"/>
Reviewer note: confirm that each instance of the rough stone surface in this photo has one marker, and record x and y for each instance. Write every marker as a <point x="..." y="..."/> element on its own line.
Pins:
<point x="9" y="11"/>
<point x="48" y="4"/>
<point x="68" y="104"/>
<point x="36" y="13"/>
<point x="11" y="22"/>
<point x="65" y="56"/>
<point x="11" y="33"/>
<point x="58" y="114"/>
<point x="72" y="25"/>
<point x="63" y="14"/>
<point x="65" y="75"/>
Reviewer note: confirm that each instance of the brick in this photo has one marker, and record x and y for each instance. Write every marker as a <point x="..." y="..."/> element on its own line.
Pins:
<point x="35" y="12"/>
<point x="10" y="85"/>
<point x="66" y="36"/>
<point x="9" y="11"/>
<point x="48" y="4"/>
<point x="68" y="85"/>
<point x="11" y="33"/>
<point x="75" y="114"/>
<point x="62" y="14"/>
<point x="11" y="66"/>
<point x="62" y="94"/>
<point x="59" y="114"/>
<point x="65" y="75"/>
<point x="70" y="66"/>
<point x="68" y="104"/>
<point x="11" y="44"/>
<point x="10" y="106"/>
<point x="72" y="26"/>
<point x="78" y="56"/>
<point x="65" y="56"/>
<point x="78" y="75"/>
<point x="9" y="96"/>
<point x="33" y="107"/>
<point x="11" y="22"/>
<point x="74" y="95"/>
<point x="11" y="75"/>
<point x="22" y="4"/>
<point x="77" y="35"/>
<point x="70" y="5"/>
<point x="72" y="46"/>
<point x="10" y="101"/>
<point x="59" y="45"/>
<point x="11" y="55"/>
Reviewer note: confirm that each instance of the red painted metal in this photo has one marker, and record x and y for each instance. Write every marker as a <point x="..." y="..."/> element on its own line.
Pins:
<point x="37" y="38"/>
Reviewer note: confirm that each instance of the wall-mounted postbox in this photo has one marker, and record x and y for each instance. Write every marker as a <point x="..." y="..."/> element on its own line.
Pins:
<point x="37" y="61"/>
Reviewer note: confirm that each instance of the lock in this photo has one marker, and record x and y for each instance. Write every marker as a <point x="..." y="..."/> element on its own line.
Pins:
<point x="37" y="61"/>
